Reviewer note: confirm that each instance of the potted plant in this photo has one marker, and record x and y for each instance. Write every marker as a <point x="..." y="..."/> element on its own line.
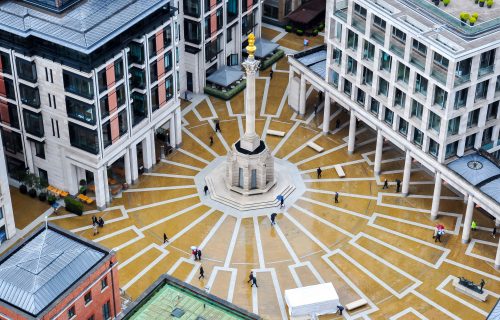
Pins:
<point x="32" y="192"/>
<point x="288" y="28"/>
<point x="475" y="15"/>
<point x="489" y="3"/>
<point x="446" y="2"/>
<point x="83" y="187"/>
<point x="299" y="32"/>
<point x="472" y="20"/>
<point x="315" y="32"/>
<point x="41" y="186"/>
<point x="476" y="1"/>
<point x="436" y="2"/>
<point x="51" y="199"/>
<point x="72" y="205"/>
<point x="321" y="26"/>
<point x="481" y="3"/>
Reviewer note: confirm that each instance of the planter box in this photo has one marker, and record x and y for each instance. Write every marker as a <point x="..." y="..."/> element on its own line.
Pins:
<point x="272" y="59"/>
<point x="226" y="95"/>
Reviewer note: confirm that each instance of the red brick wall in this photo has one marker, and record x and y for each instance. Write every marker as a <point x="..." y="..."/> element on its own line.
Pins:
<point x="77" y="297"/>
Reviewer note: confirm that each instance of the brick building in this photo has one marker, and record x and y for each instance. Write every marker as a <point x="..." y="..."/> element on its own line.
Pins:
<point x="54" y="274"/>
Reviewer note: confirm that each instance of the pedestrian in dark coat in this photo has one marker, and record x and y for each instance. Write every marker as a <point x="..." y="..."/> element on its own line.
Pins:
<point x="494" y="232"/>
<point x="273" y="218"/>
<point x="386" y="184"/>
<point x="211" y="141"/>
<point x="250" y="277"/>
<point x="202" y="273"/>
<point x="336" y="197"/>
<point x="205" y="189"/>
<point x="165" y="238"/>
<point x="398" y="185"/>
<point x="318" y="172"/>
<point x="254" y="282"/>
<point x="271" y="74"/>
<point x="337" y="124"/>
<point x="198" y="254"/>
<point x="217" y="126"/>
<point x="94" y="220"/>
<point x="101" y="222"/>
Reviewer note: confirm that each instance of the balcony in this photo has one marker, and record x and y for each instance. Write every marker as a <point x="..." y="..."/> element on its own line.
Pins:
<point x="417" y="60"/>
<point x="461" y="78"/>
<point x="439" y="74"/>
<point x="341" y="11"/>
<point x="486" y="70"/>
<point x="359" y="24"/>
<point x="397" y="48"/>
<point x="377" y="35"/>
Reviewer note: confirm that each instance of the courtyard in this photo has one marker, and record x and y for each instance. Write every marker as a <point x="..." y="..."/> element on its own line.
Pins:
<point x="374" y="244"/>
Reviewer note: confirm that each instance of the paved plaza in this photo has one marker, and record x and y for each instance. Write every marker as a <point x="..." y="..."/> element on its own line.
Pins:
<point x="374" y="244"/>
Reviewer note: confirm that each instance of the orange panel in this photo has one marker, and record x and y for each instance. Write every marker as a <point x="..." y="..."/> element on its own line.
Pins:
<point x="4" y="112"/>
<point x="110" y="75"/>
<point x="159" y="41"/>
<point x="213" y="3"/>
<point x="213" y="23"/>
<point x="112" y="101"/>
<point x="160" y="66"/>
<point x="249" y="4"/>
<point x="3" y="90"/>
<point x="162" y="93"/>
<point x="115" y="129"/>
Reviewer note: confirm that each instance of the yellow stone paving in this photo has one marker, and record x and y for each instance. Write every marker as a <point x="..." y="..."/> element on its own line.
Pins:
<point x="316" y="234"/>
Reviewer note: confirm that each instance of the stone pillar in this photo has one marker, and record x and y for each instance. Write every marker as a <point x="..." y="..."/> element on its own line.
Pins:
<point x="378" y="152"/>
<point x="406" y="175"/>
<point x="352" y="133"/>
<point x="134" y="166"/>
<point x="172" y="131"/>
<point x="71" y="178"/>
<point x="326" y="113"/>
<point x="100" y="190"/>
<point x="436" y="196"/>
<point x="497" y="259"/>
<point x="153" y="147"/>
<point x="107" y="192"/>
<point x="146" y="153"/>
<point x="468" y="220"/>
<point x="127" y="167"/>
<point x="302" y="96"/>
<point x="291" y="73"/>
<point x="178" y="127"/>
<point x="250" y="140"/>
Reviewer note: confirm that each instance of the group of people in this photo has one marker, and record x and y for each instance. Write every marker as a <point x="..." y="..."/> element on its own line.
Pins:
<point x="196" y="253"/>
<point x="97" y="222"/>
<point x="438" y="233"/>
<point x="398" y="185"/>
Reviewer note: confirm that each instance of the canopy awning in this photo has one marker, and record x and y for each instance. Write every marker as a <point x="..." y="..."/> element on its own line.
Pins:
<point x="225" y="76"/>
<point x="264" y="47"/>
<point x="308" y="12"/>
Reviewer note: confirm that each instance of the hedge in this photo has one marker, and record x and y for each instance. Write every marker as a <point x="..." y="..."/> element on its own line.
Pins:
<point x="228" y="94"/>
<point x="73" y="205"/>
<point x="271" y="60"/>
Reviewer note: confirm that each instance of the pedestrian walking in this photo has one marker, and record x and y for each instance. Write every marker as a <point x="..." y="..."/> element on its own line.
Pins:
<point x="271" y="74"/>
<point x="316" y="109"/>
<point x="254" y="282"/>
<point x="165" y="238"/>
<point x="167" y="138"/>
<point x="273" y="218"/>
<point x="211" y="141"/>
<point x="398" y="185"/>
<point x="198" y="254"/>
<point x="494" y="232"/>
<point x="282" y="202"/>
<point x="339" y="310"/>
<point x="202" y="273"/>
<point x="250" y="277"/>
<point x="318" y="172"/>
<point x="94" y="226"/>
<point x="217" y="126"/>
<point x="473" y="225"/>
<point x="101" y="222"/>
<point x="94" y="219"/>
<point x="336" y="197"/>
<point x="386" y="184"/>
<point x="439" y="233"/>
<point x="205" y="189"/>
<point x="337" y="124"/>
<point x="194" y="252"/>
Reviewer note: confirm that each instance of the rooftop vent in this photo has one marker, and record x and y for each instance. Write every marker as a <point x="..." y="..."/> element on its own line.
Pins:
<point x="413" y="23"/>
<point x="177" y="313"/>
<point x="57" y="6"/>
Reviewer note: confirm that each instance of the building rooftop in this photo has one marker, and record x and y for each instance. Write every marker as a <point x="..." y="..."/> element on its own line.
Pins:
<point x="169" y="296"/>
<point x="83" y="27"/>
<point x="40" y="269"/>
<point x="314" y="59"/>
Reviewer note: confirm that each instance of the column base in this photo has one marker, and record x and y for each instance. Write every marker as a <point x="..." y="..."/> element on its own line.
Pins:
<point x="148" y="170"/>
<point x="377" y="173"/>
<point x="350" y="151"/>
<point x="134" y="181"/>
<point x="325" y="133"/>
<point x="405" y="194"/>
<point x="101" y="208"/>
<point x="497" y="266"/>
<point x="434" y="217"/>
<point x="465" y="241"/>
<point x="177" y="146"/>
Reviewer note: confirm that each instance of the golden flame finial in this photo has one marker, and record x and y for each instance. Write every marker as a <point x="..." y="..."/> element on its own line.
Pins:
<point x="251" y="45"/>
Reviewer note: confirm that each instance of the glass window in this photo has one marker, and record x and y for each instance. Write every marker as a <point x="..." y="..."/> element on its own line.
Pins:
<point x="482" y="90"/>
<point x="347" y="87"/>
<point x="71" y="312"/>
<point x="460" y="98"/>
<point x="374" y="106"/>
<point x="417" y="109"/>
<point x="379" y="22"/>
<point x="79" y="110"/>
<point x="367" y="76"/>
<point x="338" y="31"/>
<point x="399" y="98"/>
<point x="389" y="116"/>
<point x="403" y="127"/>
<point x="403" y="73"/>
<point x="492" y="110"/>
<point x="473" y="118"/>
<point x="39" y="149"/>
<point x="419" y="47"/>
<point x="11" y="117"/>
<point x="26" y="70"/>
<point x="487" y="135"/>
<point x="136" y="53"/>
<point x="104" y="283"/>
<point x="420" y="84"/>
<point x="433" y="148"/>
<point x="270" y="11"/>
<point x="361" y="97"/>
<point x="453" y="126"/>
<point x="434" y="121"/>
<point x="440" y="60"/>
<point x="440" y="97"/>
<point x="106" y="311"/>
<point x="470" y="141"/>
<point x="29" y="96"/>
<point x="359" y="10"/>
<point x="10" y="92"/>
<point x="33" y="123"/>
<point x="12" y="142"/>
<point x="83" y="138"/>
<point x="88" y="297"/>
<point x="192" y="31"/>
<point x="334" y="79"/>
<point x="5" y="66"/>
<point x="139" y="108"/>
<point x="352" y="65"/>
<point x="368" y="50"/>
<point x="451" y="149"/>
<point x="418" y="137"/>
<point x="497" y="85"/>
<point x="337" y="56"/>
<point x="398" y="34"/>
<point x="352" y="40"/>
<point x="487" y="62"/>
<point x="383" y="87"/>
<point x="385" y="61"/>
<point x="232" y="10"/>
<point x="78" y="85"/>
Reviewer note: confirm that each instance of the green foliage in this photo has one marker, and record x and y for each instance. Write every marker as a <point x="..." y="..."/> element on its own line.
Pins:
<point x="321" y="26"/>
<point x="315" y="32"/>
<point x="475" y="15"/>
<point x="51" y="199"/>
<point x="228" y="94"/>
<point x="489" y="3"/>
<point x="72" y="205"/>
<point x="472" y="20"/>
<point x="271" y="60"/>
<point x="299" y="32"/>
<point x="446" y="2"/>
<point x="481" y="1"/>
<point x="464" y="16"/>
<point x="288" y="28"/>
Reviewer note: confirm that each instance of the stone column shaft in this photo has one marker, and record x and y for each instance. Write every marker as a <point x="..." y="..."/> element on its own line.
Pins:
<point x="326" y="114"/>
<point x="378" y="152"/>
<point x="436" y="197"/>
<point x="468" y="220"/>
<point x="406" y="175"/>
<point x="302" y="95"/>
<point x="178" y="127"/>
<point x="497" y="258"/>
<point x="352" y="133"/>
<point x="128" y="171"/>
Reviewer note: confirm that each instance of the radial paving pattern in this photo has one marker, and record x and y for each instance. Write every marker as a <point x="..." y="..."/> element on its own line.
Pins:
<point x="374" y="244"/>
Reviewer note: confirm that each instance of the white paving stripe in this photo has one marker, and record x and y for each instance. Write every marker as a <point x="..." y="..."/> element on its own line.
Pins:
<point x="306" y="232"/>
<point x="191" y="186"/>
<point x="321" y="154"/>
<point x="407" y="311"/>
<point x="201" y="143"/>
<point x="188" y="227"/>
<point x="435" y="305"/>
<point x="352" y="213"/>
<point x="463" y="266"/>
<point x="352" y="195"/>
<point x="232" y="243"/>
<point x="304" y="145"/>
<point x="168" y="175"/>
<point x="192" y="155"/>
<point x="171" y="216"/>
<point x="181" y="165"/>
<point x="286" y="243"/>
<point x="325" y="222"/>
<point x="258" y="241"/>
<point x="219" y="135"/>
<point x="140" y="253"/>
<point x="324" y="168"/>
<point x="285" y="138"/>
<point x="470" y="247"/>
<point x="159" y="203"/>
<point x="212" y="231"/>
<point x="143" y="272"/>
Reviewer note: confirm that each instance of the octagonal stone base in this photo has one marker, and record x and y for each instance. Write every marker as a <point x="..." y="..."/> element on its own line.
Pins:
<point x="289" y="183"/>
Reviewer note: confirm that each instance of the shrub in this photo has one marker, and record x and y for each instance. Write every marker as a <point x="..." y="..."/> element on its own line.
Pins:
<point x="23" y="189"/>
<point x="472" y="20"/>
<point x="321" y="26"/>
<point x="73" y="205"/>
<point x="446" y="2"/>
<point x="489" y="3"/>
<point x="271" y="60"/>
<point x="464" y="16"/>
<point x="32" y="192"/>
<point x="51" y="199"/>
<point x="475" y="15"/>
<point x="288" y="28"/>
<point x="83" y="182"/>
<point x="228" y="94"/>
<point x="42" y="196"/>
<point x="299" y="32"/>
<point x="315" y="32"/>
